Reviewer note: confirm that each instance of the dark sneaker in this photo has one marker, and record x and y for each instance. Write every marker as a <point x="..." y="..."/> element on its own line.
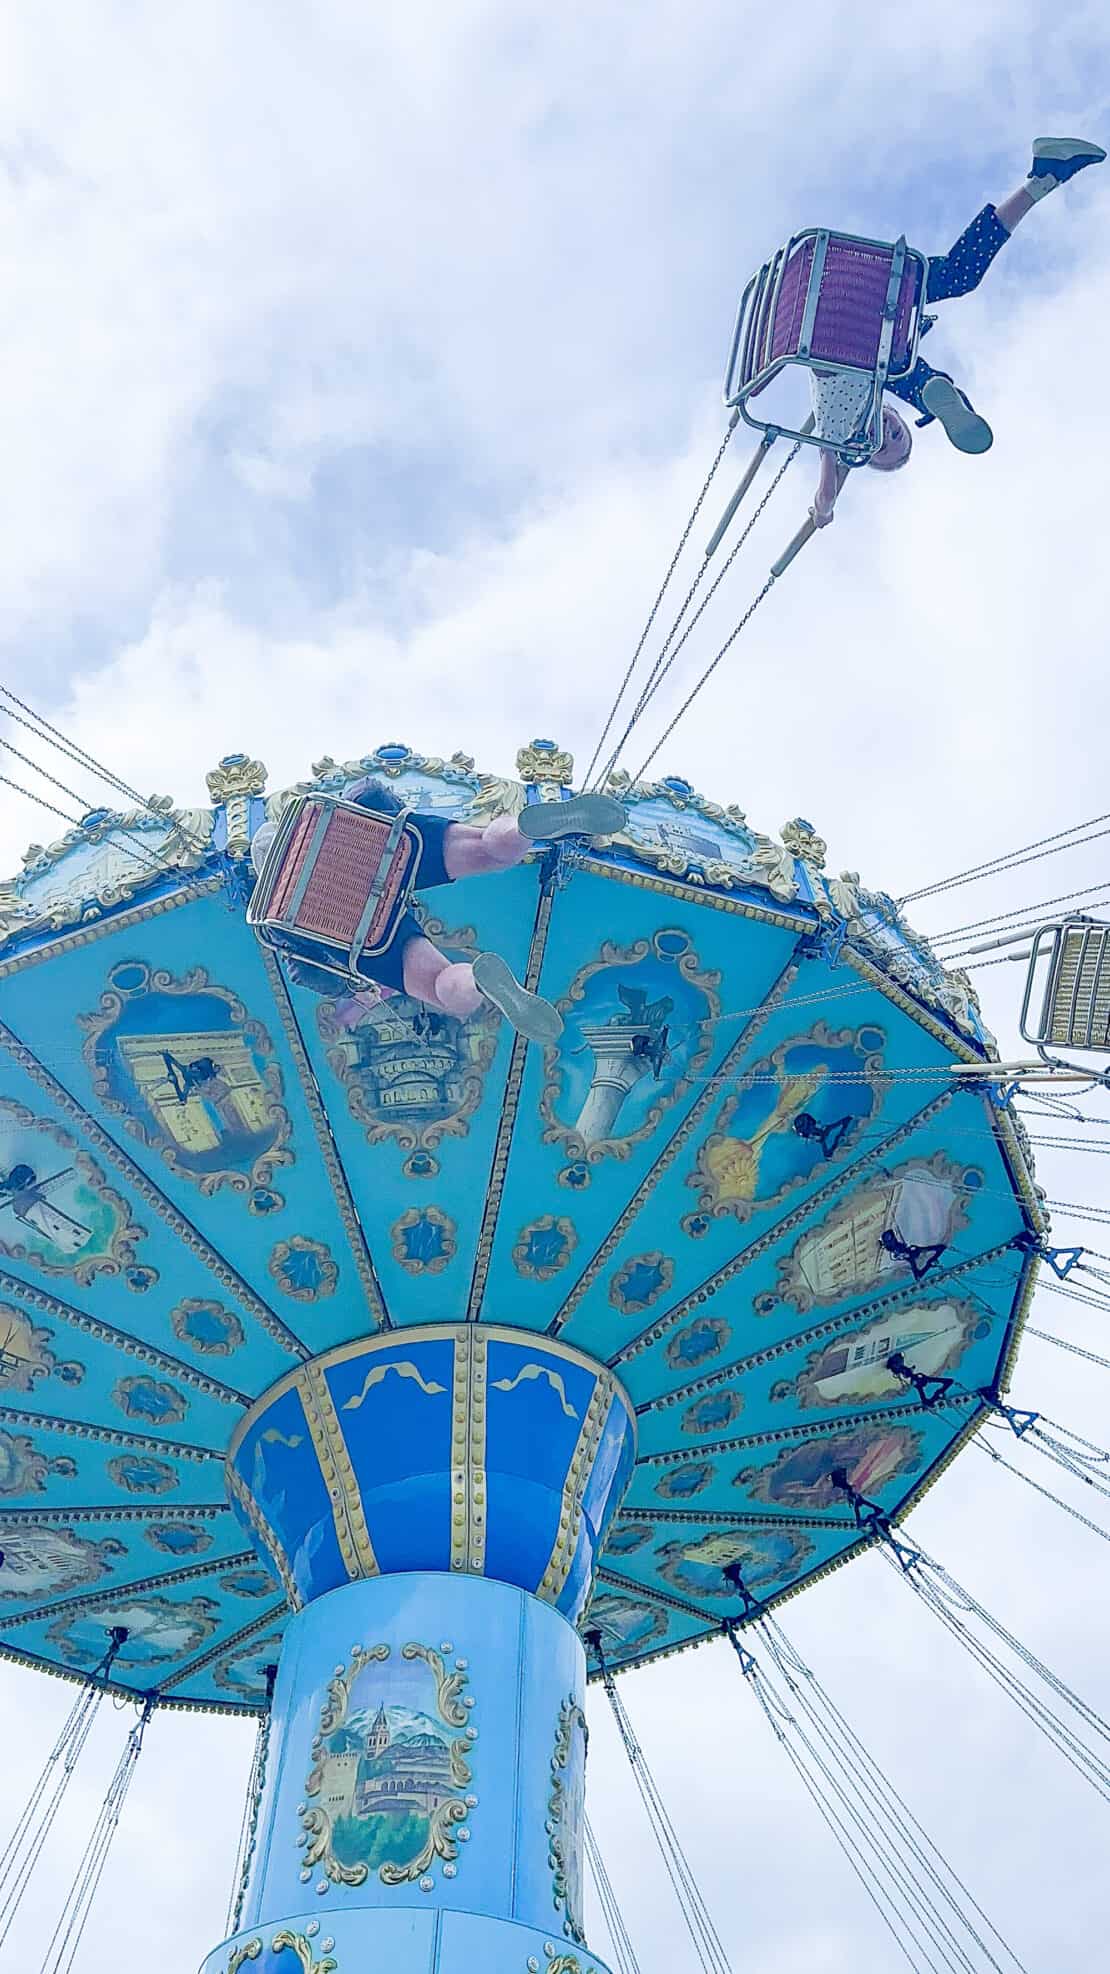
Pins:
<point x="583" y="815"/>
<point x="967" y="431"/>
<point x="1061" y="157"/>
<point x="529" y="1014"/>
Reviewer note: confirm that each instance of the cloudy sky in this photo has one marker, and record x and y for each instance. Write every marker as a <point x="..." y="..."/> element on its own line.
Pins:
<point x="360" y="367"/>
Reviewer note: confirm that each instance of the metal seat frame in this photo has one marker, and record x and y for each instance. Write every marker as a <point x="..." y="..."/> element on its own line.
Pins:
<point x="1086" y="943"/>
<point x="751" y="366"/>
<point x="403" y="843"/>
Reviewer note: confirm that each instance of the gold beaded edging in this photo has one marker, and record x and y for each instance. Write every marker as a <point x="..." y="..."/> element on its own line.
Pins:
<point x="679" y="1138"/>
<point x="92" y="1599"/>
<point x="218" y="1651"/>
<point x="266" y="1533"/>
<point x="122" y="1340"/>
<point x="329" y="1151"/>
<point x="771" y="1235"/>
<point x="351" y="1531"/>
<point x="189" y="1236"/>
<point x="510" y="1104"/>
<point x="602" y="1400"/>
<point x="917" y="1293"/>
<point x="96" y="929"/>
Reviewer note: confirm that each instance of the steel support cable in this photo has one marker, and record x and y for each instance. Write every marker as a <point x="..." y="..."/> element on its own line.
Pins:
<point x="623" y="1950"/>
<point x="1055" y="1732"/>
<point x="707" y="1942"/>
<point x="660" y="668"/>
<point x="845" y="1750"/>
<point x="695" y="1913"/>
<point x="951" y="956"/>
<point x="1062" y="1343"/>
<point x="43" y="730"/>
<point x="836" y="1826"/>
<point x="964" y="1600"/>
<point x="1006" y="859"/>
<point x="998" y="919"/>
<point x="879" y="1783"/>
<point x="36" y="723"/>
<point x="1082" y="1759"/>
<point x="24" y="1846"/>
<point x="249" y="1825"/>
<point x="122" y="843"/>
<point x="992" y="1454"/>
<point x="730" y="640"/>
<point x="66" y="1938"/>
<point x="884" y="1896"/>
<point x="676" y="557"/>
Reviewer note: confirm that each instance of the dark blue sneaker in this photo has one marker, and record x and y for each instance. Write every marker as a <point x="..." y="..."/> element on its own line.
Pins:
<point x="1059" y="158"/>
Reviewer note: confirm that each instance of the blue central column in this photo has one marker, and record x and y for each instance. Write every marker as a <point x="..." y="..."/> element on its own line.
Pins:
<point x="434" y="1502"/>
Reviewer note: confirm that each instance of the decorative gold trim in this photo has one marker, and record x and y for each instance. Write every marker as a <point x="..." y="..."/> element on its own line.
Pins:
<point x="276" y="1615"/>
<point x="329" y="1151"/>
<point x="536" y="765"/>
<point x="612" y="959"/>
<point x="121" y="1340"/>
<point x="188" y="1573"/>
<point x="566" y="1888"/>
<point x="460" y="1443"/>
<point x="928" y="1290"/>
<point x="266" y="1533"/>
<point x="111" y="922"/>
<point x="510" y="1103"/>
<point x="452" y="1811"/>
<point x="299" y="1944"/>
<point x="815" y="1428"/>
<point x="683" y="1132"/>
<point x="99" y="1027"/>
<point x="772" y="1235"/>
<point x="574" y="1487"/>
<point x="188" y="1235"/>
<point x="476" y="1492"/>
<point x="352" y="1533"/>
<point x="108" y="1435"/>
<point x="341" y="1353"/>
<point x="239" y="1956"/>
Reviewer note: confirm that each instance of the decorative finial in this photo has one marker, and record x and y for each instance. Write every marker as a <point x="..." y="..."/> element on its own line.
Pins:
<point x="802" y="840"/>
<point x="236" y="777"/>
<point x="544" y="761"/>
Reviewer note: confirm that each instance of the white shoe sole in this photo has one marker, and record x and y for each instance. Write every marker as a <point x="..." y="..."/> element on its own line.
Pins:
<point x="967" y="431"/>
<point x="583" y="815"/>
<point x="1066" y="148"/>
<point x="529" y="1014"/>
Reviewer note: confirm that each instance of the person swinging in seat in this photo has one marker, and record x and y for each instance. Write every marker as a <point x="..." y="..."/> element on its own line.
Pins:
<point x="841" y="400"/>
<point x="411" y="963"/>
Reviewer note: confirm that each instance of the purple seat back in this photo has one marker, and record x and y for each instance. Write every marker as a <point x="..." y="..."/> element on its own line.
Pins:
<point x="849" y="317"/>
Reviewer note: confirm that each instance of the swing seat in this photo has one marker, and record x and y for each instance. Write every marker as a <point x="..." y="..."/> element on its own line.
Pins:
<point x="335" y="882"/>
<point x="831" y="301"/>
<point x="1075" y="992"/>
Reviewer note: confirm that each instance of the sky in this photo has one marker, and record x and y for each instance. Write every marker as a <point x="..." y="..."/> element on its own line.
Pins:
<point x="360" y="369"/>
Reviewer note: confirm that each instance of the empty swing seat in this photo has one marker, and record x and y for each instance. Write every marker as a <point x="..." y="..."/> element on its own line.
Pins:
<point x="335" y="882"/>
<point x="1075" y="992"/>
<point x="834" y="302"/>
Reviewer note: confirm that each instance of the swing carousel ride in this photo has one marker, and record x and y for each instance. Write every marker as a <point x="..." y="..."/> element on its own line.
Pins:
<point x="383" y="1375"/>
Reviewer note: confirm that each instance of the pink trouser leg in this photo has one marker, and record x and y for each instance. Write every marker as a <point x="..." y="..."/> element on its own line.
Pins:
<point x="470" y="852"/>
<point x="429" y="976"/>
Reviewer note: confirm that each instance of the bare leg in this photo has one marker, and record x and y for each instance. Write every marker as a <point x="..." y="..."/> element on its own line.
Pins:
<point x="1013" y="210"/>
<point x="470" y="852"/>
<point x="447" y="985"/>
<point x="830" y="480"/>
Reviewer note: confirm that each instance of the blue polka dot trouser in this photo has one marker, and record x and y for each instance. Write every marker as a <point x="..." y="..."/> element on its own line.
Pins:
<point x="955" y="273"/>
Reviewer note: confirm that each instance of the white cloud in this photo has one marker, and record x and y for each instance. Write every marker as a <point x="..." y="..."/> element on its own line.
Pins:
<point x="492" y="255"/>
